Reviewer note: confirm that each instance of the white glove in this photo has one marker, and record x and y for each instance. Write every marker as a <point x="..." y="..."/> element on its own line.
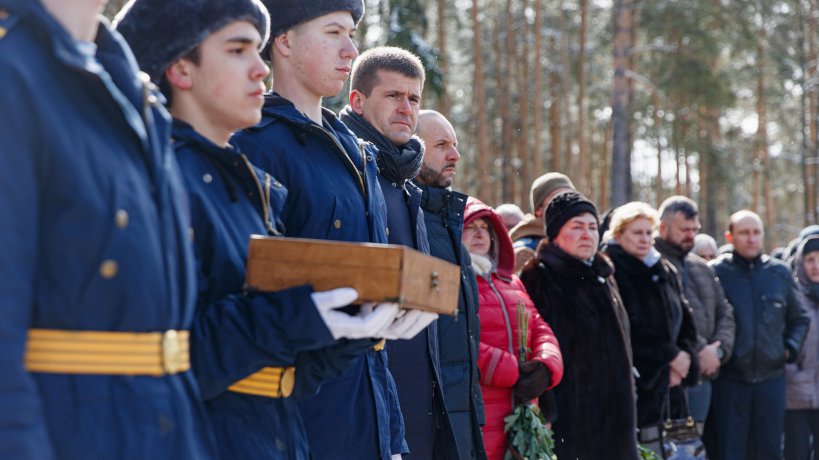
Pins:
<point x="395" y="457"/>
<point x="341" y="325"/>
<point x="408" y="324"/>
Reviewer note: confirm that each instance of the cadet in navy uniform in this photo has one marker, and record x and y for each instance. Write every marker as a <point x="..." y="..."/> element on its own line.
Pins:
<point x="97" y="280"/>
<point x="246" y="346"/>
<point x="333" y="194"/>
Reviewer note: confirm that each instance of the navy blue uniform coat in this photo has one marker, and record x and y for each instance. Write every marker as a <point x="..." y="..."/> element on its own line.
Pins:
<point x="95" y="235"/>
<point x="237" y="333"/>
<point x="333" y="194"/>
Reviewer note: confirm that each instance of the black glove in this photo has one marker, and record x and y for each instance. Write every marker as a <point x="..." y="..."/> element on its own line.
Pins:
<point x="534" y="378"/>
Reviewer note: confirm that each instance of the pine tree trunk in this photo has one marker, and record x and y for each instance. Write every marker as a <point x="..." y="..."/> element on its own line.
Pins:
<point x="556" y="95"/>
<point x="502" y="100"/>
<point x="605" y="201"/>
<point x="709" y="192"/>
<point x="582" y="154"/>
<point x="481" y="140"/>
<point x="523" y="110"/>
<point x="621" y="97"/>
<point x="658" y="181"/>
<point x="565" y="78"/>
<point x="762" y="163"/>
<point x="813" y="115"/>
<point x="443" y="60"/>
<point x="505" y="81"/>
<point x="539" y="158"/>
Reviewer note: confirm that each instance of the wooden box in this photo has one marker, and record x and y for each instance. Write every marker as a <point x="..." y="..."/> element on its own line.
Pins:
<point x="379" y="272"/>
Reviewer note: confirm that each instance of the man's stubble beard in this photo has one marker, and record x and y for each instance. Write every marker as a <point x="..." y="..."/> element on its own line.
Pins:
<point x="430" y="176"/>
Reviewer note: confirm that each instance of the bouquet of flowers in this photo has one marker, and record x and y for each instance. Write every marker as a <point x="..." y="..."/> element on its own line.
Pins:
<point x="529" y="437"/>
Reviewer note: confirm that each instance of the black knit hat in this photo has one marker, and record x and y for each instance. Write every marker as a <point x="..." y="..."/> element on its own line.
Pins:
<point x="160" y="32"/>
<point x="562" y="208"/>
<point x="290" y="13"/>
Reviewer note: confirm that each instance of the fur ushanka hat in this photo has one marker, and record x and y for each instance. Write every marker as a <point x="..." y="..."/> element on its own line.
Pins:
<point x="290" y="13"/>
<point x="160" y="32"/>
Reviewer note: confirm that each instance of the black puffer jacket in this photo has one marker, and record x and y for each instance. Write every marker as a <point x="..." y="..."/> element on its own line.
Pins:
<point x="458" y="337"/>
<point x="769" y="313"/>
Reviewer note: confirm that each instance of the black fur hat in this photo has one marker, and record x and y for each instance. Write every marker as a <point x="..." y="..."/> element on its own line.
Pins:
<point x="162" y="31"/>
<point x="563" y="207"/>
<point x="290" y="13"/>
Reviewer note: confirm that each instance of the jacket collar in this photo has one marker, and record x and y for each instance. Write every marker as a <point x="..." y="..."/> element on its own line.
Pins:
<point x="64" y="46"/>
<point x="185" y="133"/>
<point x="669" y="250"/>
<point x="277" y="106"/>
<point x="561" y="261"/>
<point x="435" y="199"/>
<point x="629" y="265"/>
<point x="747" y="264"/>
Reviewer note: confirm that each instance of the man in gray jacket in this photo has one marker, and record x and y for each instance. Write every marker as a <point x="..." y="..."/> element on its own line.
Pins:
<point x="713" y="314"/>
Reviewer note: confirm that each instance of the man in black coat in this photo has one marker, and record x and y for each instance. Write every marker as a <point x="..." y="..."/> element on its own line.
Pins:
<point x="459" y="337"/>
<point x="748" y="408"/>
<point x="385" y="98"/>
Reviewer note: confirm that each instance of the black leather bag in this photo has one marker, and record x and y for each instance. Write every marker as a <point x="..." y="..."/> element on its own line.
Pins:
<point x="680" y="438"/>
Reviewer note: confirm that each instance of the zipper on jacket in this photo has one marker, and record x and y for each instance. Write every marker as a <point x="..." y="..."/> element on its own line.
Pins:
<point x="754" y="317"/>
<point x="508" y="324"/>
<point x="509" y="344"/>
<point x="264" y="197"/>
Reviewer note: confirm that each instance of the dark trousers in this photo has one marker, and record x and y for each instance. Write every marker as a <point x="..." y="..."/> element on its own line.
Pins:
<point x="801" y="434"/>
<point x="748" y="419"/>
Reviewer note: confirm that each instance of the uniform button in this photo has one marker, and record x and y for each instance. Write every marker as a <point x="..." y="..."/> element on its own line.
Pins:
<point x="337" y="224"/>
<point x="277" y="184"/>
<point x="190" y="233"/>
<point x="122" y="218"/>
<point x="388" y="231"/>
<point x="207" y="178"/>
<point x="109" y="269"/>
<point x="369" y="158"/>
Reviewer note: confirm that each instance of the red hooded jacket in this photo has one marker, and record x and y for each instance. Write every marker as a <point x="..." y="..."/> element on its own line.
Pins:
<point x="500" y="294"/>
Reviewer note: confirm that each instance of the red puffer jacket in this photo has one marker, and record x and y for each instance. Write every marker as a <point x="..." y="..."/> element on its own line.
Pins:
<point x="500" y="294"/>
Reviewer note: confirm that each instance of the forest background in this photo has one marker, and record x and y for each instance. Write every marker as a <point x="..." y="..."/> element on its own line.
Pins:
<point x="634" y="100"/>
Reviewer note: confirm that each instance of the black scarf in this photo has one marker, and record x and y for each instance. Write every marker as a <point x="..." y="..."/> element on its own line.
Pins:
<point x="397" y="164"/>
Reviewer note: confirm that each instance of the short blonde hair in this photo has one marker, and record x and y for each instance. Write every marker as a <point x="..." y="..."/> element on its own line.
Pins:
<point x="628" y="213"/>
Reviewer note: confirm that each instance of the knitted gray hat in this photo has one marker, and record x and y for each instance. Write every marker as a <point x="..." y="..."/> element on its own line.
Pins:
<point x="160" y="32"/>
<point x="544" y="185"/>
<point x="290" y="13"/>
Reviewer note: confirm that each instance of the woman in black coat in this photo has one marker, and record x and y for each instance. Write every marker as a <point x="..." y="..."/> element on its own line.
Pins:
<point x="572" y="288"/>
<point x="663" y="337"/>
